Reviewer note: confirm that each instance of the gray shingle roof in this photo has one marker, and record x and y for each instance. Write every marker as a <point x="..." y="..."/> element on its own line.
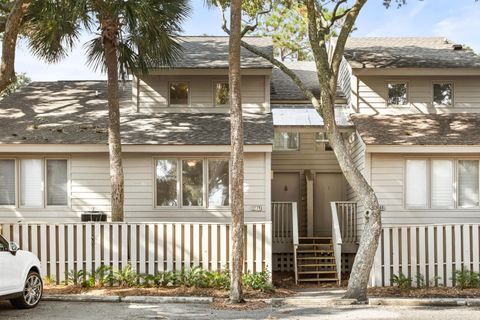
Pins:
<point x="419" y="129"/>
<point x="205" y="52"/>
<point x="408" y="52"/>
<point x="283" y="88"/>
<point x="71" y="112"/>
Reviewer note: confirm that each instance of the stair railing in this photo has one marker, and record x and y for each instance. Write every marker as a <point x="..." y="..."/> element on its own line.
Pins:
<point x="337" y="241"/>
<point x="295" y="237"/>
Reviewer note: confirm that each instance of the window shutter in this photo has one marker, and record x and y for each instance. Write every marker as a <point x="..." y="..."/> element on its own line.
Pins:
<point x="7" y="182"/>
<point x="442" y="184"/>
<point x="468" y="183"/>
<point x="31" y="182"/>
<point x="416" y="183"/>
<point x="57" y="182"/>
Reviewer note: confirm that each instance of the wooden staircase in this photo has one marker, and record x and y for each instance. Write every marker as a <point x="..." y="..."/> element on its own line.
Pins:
<point x="315" y="260"/>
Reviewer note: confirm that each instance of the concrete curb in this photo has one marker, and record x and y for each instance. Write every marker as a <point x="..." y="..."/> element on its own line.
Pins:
<point x="127" y="299"/>
<point x="157" y="299"/>
<point x="80" y="298"/>
<point x="433" y="302"/>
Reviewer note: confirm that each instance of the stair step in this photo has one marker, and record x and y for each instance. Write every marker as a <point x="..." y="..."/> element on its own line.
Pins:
<point x="318" y="280"/>
<point x="317" y="265"/>
<point x="313" y="251"/>
<point x="316" y="258"/>
<point x="315" y="238"/>
<point x="314" y="244"/>
<point x="317" y="272"/>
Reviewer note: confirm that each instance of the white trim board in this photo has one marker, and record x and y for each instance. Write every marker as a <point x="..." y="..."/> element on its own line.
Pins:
<point x="87" y="148"/>
<point x="422" y="149"/>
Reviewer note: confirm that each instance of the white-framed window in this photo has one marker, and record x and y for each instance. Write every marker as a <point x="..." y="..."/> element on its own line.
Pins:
<point x="442" y="183"/>
<point x="43" y="182"/>
<point x="222" y="93"/>
<point x="443" y="94"/>
<point x="179" y="93"/>
<point x="192" y="182"/>
<point x="287" y="141"/>
<point x="322" y="142"/>
<point x="397" y="93"/>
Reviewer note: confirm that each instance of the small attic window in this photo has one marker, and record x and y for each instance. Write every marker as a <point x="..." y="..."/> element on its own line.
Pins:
<point x="397" y="93"/>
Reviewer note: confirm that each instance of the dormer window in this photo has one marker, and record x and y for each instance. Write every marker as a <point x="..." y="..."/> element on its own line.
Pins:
<point x="443" y="94"/>
<point x="179" y="93"/>
<point x="397" y="93"/>
<point x="221" y="94"/>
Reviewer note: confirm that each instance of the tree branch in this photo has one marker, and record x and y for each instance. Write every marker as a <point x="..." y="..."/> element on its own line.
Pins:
<point x="12" y="28"/>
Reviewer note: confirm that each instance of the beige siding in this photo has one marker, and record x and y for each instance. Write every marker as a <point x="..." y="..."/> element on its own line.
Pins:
<point x="90" y="185"/>
<point x="388" y="182"/>
<point x="152" y="93"/>
<point x="372" y="92"/>
<point x="310" y="157"/>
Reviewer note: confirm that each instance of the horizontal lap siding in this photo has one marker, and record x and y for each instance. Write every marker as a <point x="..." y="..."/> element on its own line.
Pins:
<point x="90" y="189"/>
<point x="372" y="94"/>
<point x="153" y="93"/>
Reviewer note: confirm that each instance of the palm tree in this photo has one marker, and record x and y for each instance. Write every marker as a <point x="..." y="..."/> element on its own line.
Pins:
<point x="132" y="36"/>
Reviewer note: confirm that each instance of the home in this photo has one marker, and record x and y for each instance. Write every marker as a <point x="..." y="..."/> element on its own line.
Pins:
<point x="407" y="107"/>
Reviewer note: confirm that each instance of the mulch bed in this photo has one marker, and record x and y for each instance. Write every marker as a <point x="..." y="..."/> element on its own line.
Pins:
<point x="164" y="291"/>
<point x="433" y="292"/>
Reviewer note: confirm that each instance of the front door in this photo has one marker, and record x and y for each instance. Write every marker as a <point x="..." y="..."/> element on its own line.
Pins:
<point x="328" y="187"/>
<point x="286" y="187"/>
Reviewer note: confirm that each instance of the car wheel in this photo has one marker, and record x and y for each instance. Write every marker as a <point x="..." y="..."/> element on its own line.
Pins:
<point x="32" y="292"/>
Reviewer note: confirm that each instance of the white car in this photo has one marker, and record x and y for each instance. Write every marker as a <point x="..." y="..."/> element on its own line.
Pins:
<point x="20" y="280"/>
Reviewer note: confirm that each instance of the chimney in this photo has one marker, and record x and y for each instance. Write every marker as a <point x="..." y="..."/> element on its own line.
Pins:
<point x="457" y="47"/>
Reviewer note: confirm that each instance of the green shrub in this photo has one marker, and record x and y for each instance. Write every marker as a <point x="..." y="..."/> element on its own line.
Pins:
<point x="219" y="279"/>
<point x="420" y="280"/>
<point x="465" y="278"/>
<point x="402" y="281"/>
<point x="258" y="281"/>
<point x="103" y="276"/>
<point x="126" y="277"/>
<point x="75" y="277"/>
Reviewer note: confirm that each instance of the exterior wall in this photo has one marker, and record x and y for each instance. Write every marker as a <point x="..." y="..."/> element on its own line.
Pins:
<point x="372" y="94"/>
<point x="150" y="94"/>
<point x="309" y="157"/>
<point x="90" y="186"/>
<point x="387" y="172"/>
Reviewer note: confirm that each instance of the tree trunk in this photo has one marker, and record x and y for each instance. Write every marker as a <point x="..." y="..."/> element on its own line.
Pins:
<point x="109" y="35"/>
<point x="9" y="43"/>
<point x="236" y="157"/>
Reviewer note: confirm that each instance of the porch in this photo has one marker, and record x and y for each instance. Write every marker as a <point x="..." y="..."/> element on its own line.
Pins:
<point x="314" y="258"/>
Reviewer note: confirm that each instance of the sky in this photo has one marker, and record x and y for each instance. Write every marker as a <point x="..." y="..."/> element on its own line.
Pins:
<point x="457" y="20"/>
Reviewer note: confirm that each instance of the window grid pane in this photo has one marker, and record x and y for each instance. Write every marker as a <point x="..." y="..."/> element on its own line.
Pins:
<point x="166" y="180"/>
<point x="57" y="181"/>
<point x="442" y="94"/>
<point x="7" y="182"/>
<point x="442" y="184"/>
<point x="192" y="182"/>
<point x="416" y="184"/>
<point x="286" y="141"/>
<point x="218" y="183"/>
<point x="397" y="93"/>
<point x="221" y="94"/>
<point x="31" y="182"/>
<point x="179" y="93"/>
<point x="468" y="183"/>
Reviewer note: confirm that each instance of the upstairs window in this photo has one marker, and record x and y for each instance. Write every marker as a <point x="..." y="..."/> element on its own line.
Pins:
<point x="221" y="94"/>
<point x="322" y="141"/>
<point x="416" y="183"/>
<point x="192" y="182"/>
<point x="397" y="93"/>
<point x="286" y="141"/>
<point x="468" y="181"/>
<point x="179" y="93"/>
<point x="443" y="94"/>
<point x="7" y="182"/>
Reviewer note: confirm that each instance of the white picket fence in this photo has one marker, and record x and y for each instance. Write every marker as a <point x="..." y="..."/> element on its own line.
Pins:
<point x="433" y="251"/>
<point x="148" y="247"/>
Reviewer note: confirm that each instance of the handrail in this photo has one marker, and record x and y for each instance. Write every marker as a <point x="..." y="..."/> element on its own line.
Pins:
<point x="295" y="238"/>
<point x="337" y="241"/>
